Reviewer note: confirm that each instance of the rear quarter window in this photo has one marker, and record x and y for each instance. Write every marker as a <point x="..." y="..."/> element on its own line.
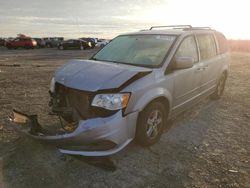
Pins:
<point x="207" y="46"/>
<point x="222" y="43"/>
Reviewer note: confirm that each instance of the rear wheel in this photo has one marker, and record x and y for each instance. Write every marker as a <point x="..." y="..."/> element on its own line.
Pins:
<point x="150" y="124"/>
<point x="220" y="87"/>
<point x="61" y="48"/>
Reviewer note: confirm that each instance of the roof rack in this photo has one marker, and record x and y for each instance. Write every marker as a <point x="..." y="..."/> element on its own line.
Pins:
<point x="201" y="28"/>
<point x="184" y="27"/>
<point x="173" y="26"/>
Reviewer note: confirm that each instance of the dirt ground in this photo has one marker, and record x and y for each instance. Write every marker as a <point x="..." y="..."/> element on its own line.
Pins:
<point x="207" y="146"/>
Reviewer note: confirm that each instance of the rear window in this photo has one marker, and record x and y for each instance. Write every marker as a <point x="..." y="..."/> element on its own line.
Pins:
<point x="207" y="46"/>
<point x="222" y="43"/>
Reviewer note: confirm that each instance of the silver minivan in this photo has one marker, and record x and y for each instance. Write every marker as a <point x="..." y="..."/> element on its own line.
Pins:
<point x="130" y="88"/>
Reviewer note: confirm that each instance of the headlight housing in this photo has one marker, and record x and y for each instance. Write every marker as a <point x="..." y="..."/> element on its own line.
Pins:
<point x="111" y="101"/>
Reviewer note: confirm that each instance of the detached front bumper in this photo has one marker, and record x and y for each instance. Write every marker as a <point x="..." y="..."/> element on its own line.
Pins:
<point x="117" y="129"/>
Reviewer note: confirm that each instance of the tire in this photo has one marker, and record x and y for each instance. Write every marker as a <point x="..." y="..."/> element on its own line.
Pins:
<point x="150" y="124"/>
<point x="61" y="48"/>
<point x="102" y="45"/>
<point x="220" y="87"/>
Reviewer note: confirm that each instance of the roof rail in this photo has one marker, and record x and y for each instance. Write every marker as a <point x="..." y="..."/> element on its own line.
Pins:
<point x="201" y="28"/>
<point x="184" y="27"/>
<point x="173" y="26"/>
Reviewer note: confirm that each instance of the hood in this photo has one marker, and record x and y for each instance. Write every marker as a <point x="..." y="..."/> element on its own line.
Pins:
<point x="90" y="75"/>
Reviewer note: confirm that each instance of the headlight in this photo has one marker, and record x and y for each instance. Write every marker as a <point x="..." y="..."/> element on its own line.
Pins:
<point x="111" y="101"/>
<point x="52" y="85"/>
<point x="89" y="44"/>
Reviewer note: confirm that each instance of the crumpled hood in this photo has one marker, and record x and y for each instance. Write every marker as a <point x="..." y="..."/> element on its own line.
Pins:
<point x="90" y="75"/>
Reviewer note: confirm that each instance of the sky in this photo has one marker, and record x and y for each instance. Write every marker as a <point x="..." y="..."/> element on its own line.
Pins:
<point x="109" y="18"/>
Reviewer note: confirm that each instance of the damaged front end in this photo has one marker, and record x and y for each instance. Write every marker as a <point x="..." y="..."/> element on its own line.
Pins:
<point x="74" y="105"/>
<point x="86" y="128"/>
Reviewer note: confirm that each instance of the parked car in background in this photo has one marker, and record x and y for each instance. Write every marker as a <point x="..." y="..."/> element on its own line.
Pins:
<point x="101" y="43"/>
<point x="74" y="44"/>
<point x="132" y="87"/>
<point x="2" y="42"/>
<point x="28" y="43"/>
<point x="40" y="42"/>
<point x="52" y="42"/>
<point x="93" y="41"/>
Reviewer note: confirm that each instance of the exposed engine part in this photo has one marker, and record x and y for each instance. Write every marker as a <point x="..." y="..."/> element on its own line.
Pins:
<point x="74" y="105"/>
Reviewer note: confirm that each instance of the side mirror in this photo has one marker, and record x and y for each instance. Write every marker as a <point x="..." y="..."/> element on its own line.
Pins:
<point x="184" y="62"/>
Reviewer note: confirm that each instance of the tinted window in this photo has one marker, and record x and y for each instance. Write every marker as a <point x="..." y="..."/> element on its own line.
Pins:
<point x="222" y="43"/>
<point x="207" y="46"/>
<point x="188" y="48"/>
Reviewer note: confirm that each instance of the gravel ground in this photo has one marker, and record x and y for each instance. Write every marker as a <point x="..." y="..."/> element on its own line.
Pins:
<point x="207" y="146"/>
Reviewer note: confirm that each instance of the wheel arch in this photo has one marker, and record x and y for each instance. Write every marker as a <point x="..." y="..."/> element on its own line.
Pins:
<point x="139" y="129"/>
<point x="158" y="94"/>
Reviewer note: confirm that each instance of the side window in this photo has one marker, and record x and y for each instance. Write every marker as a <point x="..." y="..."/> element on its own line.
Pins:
<point x="207" y="46"/>
<point x="222" y="43"/>
<point x="188" y="48"/>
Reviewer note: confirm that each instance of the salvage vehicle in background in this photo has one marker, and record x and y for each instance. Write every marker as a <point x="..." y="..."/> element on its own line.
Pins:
<point x="93" y="41"/>
<point x="40" y="42"/>
<point x="2" y="42"/>
<point x="131" y="88"/>
<point x="52" y="42"/>
<point x="74" y="44"/>
<point x="101" y="43"/>
<point x="27" y="43"/>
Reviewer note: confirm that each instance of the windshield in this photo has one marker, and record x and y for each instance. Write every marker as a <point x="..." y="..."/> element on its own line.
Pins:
<point x="138" y="50"/>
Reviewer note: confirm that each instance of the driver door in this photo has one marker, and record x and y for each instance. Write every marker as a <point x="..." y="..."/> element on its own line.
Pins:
<point x="187" y="81"/>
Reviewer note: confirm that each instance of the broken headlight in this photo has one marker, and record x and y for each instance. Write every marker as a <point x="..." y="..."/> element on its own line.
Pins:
<point x="111" y="101"/>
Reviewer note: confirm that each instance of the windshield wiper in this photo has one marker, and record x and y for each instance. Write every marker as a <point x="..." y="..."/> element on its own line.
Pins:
<point x="118" y="62"/>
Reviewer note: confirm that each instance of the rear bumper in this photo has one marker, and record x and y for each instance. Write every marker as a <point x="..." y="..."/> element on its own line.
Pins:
<point x="117" y="129"/>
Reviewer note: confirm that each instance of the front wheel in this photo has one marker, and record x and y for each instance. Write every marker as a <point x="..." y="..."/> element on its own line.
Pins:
<point x="81" y="47"/>
<point x="150" y="124"/>
<point x="220" y="87"/>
